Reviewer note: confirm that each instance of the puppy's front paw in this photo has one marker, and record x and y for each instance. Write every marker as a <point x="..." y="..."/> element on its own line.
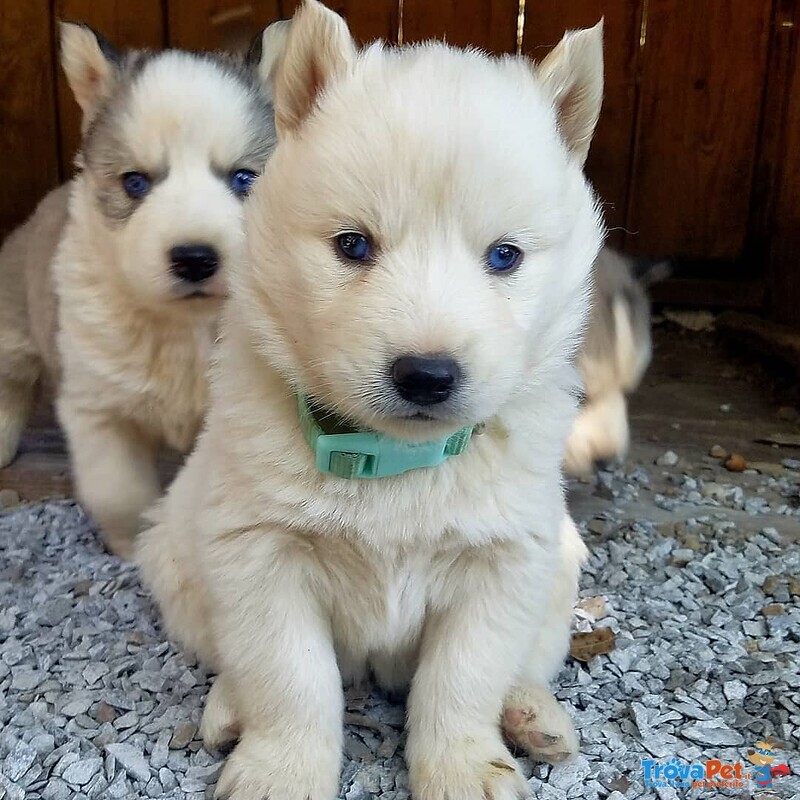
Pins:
<point x="476" y="768"/>
<point x="10" y="433"/>
<point x="534" y="720"/>
<point x="579" y="454"/>
<point x="267" y="767"/>
<point x="219" y="725"/>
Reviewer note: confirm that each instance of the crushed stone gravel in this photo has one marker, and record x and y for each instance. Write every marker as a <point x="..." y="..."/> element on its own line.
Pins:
<point x="95" y="704"/>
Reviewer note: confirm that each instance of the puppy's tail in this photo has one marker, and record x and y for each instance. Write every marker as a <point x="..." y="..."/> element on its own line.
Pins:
<point x="649" y="271"/>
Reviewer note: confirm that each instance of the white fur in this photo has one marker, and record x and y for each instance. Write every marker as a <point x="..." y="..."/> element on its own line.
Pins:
<point x="134" y="359"/>
<point x="131" y="348"/>
<point x="459" y="579"/>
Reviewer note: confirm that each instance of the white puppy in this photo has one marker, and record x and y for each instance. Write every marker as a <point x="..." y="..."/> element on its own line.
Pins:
<point x="419" y="247"/>
<point x="117" y="279"/>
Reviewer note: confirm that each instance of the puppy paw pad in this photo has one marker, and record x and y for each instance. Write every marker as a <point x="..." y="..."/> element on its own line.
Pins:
<point x="545" y="732"/>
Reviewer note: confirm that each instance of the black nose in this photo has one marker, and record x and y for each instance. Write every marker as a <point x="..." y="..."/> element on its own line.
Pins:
<point x="194" y="263"/>
<point x="602" y="464"/>
<point x="423" y="380"/>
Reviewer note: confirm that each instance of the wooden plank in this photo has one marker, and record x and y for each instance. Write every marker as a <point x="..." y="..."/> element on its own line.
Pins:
<point x="490" y="24"/>
<point x="703" y="71"/>
<point x="232" y="24"/>
<point x="218" y="24"/>
<point x="28" y="138"/>
<point x="125" y="24"/>
<point x="609" y="161"/>
<point x="41" y="469"/>
<point x="368" y="19"/>
<point x="784" y="212"/>
<point x="772" y="141"/>
<point x="784" y="272"/>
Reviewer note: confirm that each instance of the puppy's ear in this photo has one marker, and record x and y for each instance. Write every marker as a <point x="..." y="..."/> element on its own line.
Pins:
<point x="318" y="49"/>
<point x="266" y="50"/>
<point x="91" y="65"/>
<point x="572" y="74"/>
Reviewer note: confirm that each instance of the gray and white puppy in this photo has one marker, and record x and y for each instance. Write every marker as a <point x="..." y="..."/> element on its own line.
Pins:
<point x="616" y="353"/>
<point x="114" y="284"/>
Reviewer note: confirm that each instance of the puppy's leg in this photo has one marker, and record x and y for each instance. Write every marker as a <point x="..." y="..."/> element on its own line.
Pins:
<point x="167" y="557"/>
<point x="532" y="717"/>
<point x="20" y="368"/>
<point x="600" y="433"/>
<point x="220" y="721"/>
<point x="281" y="677"/>
<point x="115" y="471"/>
<point x="470" y="654"/>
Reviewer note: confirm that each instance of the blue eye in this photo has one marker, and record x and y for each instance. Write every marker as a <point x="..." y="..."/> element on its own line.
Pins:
<point x="135" y="184"/>
<point x="503" y="257"/>
<point x="242" y="181"/>
<point x="354" y="246"/>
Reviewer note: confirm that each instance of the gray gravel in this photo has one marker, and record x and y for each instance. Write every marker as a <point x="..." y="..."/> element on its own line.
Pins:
<point x="95" y="704"/>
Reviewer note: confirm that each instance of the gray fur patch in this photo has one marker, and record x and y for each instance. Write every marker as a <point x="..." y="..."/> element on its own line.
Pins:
<point x="613" y="279"/>
<point x="105" y="156"/>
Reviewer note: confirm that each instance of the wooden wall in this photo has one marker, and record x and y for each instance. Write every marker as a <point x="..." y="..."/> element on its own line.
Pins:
<point x="697" y="154"/>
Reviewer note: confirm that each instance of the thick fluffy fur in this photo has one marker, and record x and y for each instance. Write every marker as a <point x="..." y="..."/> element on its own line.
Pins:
<point x="28" y="311"/>
<point x="133" y="344"/>
<point x="614" y="357"/>
<point x="458" y="580"/>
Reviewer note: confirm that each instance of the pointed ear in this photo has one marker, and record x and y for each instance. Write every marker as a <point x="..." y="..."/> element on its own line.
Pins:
<point x="318" y="49"/>
<point x="265" y="51"/>
<point x="572" y="74"/>
<point x="90" y="64"/>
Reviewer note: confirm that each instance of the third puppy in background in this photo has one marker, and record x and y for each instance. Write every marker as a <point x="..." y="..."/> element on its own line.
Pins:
<point x="614" y="358"/>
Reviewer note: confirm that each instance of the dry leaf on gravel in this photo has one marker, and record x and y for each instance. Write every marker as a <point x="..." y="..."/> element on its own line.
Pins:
<point x="585" y="646"/>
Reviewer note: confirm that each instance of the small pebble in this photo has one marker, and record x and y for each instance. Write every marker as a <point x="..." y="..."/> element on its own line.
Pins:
<point x="735" y="462"/>
<point x="130" y="759"/>
<point x="734" y="690"/>
<point x="667" y="459"/>
<point x="594" y="606"/>
<point x="80" y="772"/>
<point x="18" y="761"/>
<point x="105" y="712"/>
<point x="182" y="735"/>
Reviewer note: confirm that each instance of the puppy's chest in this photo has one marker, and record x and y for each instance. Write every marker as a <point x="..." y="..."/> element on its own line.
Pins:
<point x="163" y="386"/>
<point x="378" y="604"/>
<point x="179" y="392"/>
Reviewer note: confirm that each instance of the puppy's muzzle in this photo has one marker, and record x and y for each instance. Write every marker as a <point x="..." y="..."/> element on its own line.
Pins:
<point x="425" y="380"/>
<point x="193" y="263"/>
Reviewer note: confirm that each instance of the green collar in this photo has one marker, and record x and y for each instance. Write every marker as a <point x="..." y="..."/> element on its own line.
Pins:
<point x="349" y="453"/>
